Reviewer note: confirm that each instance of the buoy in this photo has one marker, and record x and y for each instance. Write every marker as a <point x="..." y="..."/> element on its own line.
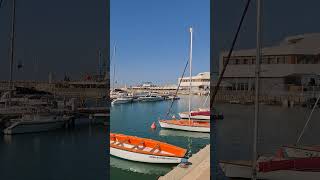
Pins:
<point x="153" y="126"/>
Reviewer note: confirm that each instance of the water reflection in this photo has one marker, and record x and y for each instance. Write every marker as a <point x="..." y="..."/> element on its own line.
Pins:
<point x="137" y="167"/>
<point x="7" y="139"/>
<point x="167" y="132"/>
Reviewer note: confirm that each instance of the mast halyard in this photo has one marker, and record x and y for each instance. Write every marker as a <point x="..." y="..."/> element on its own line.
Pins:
<point x="190" y="78"/>
<point x="114" y="67"/>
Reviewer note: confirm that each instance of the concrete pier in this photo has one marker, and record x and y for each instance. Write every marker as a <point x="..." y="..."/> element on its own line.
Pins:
<point x="199" y="170"/>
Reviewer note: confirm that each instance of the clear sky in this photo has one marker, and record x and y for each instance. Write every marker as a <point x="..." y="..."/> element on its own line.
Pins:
<point x="152" y="39"/>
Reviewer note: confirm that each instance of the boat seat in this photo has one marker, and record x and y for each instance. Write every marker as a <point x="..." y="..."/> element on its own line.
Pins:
<point x="155" y="148"/>
<point x="121" y="143"/>
<point x="137" y="146"/>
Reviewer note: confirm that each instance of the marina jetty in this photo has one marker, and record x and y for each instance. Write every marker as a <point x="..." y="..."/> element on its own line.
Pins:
<point x="31" y="106"/>
<point x="70" y="89"/>
<point x="198" y="170"/>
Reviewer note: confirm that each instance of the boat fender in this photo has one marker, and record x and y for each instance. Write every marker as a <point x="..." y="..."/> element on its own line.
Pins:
<point x="184" y="163"/>
<point x="153" y="126"/>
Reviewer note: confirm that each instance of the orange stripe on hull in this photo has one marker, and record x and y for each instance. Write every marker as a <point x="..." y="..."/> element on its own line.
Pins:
<point x="145" y="146"/>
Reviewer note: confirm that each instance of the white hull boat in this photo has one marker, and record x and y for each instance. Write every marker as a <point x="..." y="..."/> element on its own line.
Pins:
<point x="293" y="169"/>
<point x="137" y="167"/>
<point x="185" y="125"/>
<point x="34" y="124"/>
<point x="301" y="152"/>
<point x="122" y="100"/>
<point x="144" y="150"/>
<point x="185" y="115"/>
<point x="143" y="157"/>
<point x="150" y="98"/>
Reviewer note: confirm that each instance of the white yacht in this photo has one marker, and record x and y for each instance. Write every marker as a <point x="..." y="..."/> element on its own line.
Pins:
<point x="151" y="97"/>
<point x="34" y="123"/>
<point x="122" y="100"/>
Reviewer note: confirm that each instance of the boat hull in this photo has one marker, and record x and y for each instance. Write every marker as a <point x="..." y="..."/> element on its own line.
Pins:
<point x="296" y="152"/>
<point x="199" y="117"/>
<point x="183" y="127"/>
<point x="243" y="171"/>
<point x="143" y="99"/>
<point x="146" y="158"/>
<point x="123" y="101"/>
<point x="33" y="126"/>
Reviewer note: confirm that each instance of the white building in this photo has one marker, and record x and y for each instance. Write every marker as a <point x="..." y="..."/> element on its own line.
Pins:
<point x="294" y="55"/>
<point x="199" y="82"/>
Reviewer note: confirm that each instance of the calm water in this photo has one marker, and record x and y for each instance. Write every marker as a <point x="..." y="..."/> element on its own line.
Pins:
<point x="277" y="126"/>
<point x="136" y="119"/>
<point x="63" y="154"/>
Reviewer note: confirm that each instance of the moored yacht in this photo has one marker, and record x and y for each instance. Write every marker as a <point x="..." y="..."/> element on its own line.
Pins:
<point x="151" y="97"/>
<point x="122" y="100"/>
<point x="34" y="123"/>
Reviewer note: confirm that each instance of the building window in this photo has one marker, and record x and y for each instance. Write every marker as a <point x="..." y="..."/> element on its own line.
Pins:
<point x="280" y="60"/>
<point x="253" y="60"/>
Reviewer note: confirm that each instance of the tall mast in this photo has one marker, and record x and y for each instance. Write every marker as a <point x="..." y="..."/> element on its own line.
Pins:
<point x="99" y="64"/>
<point x="114" y="67"/>
<point x="12" y="37"/>
<point x="257" y="73"/>
<point x="190" y="76"/>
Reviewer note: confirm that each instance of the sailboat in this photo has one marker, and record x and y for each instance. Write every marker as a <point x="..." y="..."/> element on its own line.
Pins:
<point x="273" y="168"/>
<point x="190" y="124"/>
<point x="201" y="113"/>
<point x="298" y="151"/>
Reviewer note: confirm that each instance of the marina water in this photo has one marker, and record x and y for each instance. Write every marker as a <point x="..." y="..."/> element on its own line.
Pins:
<point x="136" y="118"/>
<point x="75" y="153"/>
<point x="277" y="126"/>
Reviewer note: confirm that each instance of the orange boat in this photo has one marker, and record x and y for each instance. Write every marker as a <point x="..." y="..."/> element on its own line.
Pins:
<point x="186" y="125"/>
<point x="144" y="150"/>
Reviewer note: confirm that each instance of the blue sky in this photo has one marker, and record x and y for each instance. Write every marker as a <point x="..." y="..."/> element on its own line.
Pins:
<point x="152" y="39"/>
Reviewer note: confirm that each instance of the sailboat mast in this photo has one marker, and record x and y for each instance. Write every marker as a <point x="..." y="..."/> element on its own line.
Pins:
<point x="257" y="73"/>
<point x="12" y="37"/>
<point x="114" y="67"/>
<point x="190" y="75"/>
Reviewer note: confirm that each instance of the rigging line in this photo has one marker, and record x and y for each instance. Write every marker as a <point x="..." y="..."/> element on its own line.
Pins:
<point x="205" y="102"/>
<point x="175" y="95"/>
<point x="229" y="54"/>
<point x="309" y="118"/>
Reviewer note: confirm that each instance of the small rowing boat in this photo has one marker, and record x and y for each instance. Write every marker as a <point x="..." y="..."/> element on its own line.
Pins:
<point x="144" y="150"/>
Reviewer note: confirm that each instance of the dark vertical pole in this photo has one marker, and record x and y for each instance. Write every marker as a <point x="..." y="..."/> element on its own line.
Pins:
<point x="257" y="86"/>
<point x="12" y="37"/>
<point x="107" y="120"/>
<point x="213" y="135"/>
